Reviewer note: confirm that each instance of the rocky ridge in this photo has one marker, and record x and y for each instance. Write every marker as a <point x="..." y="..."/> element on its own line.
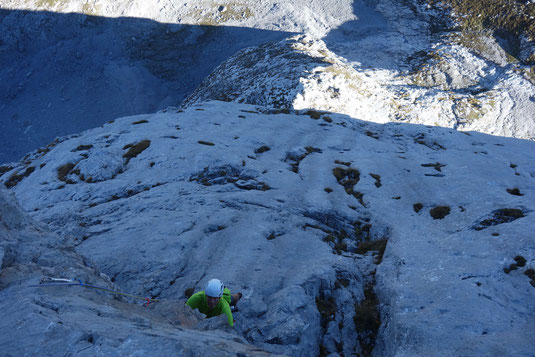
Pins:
<point x="418" y="76"/>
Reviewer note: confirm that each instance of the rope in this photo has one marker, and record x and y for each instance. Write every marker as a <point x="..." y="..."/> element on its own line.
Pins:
<point x="78" y="282"/>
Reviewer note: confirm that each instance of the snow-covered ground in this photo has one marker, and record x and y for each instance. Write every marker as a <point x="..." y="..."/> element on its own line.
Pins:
<point x="277" y="205"/>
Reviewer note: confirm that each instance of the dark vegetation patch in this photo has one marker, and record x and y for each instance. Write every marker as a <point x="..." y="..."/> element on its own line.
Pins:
<point x="341" y="280"/>
<point x="520" y="262"/>
<point x="437" y="166"/>
<point x="207" y="143"/>
<point x="4" y="169"/>
<point x="132" y="191"/>
<point x="214" y="228"/>
<point x="367" y="320"/>
<point x="44" y="151"/>
<point x="417" y="207"/>
<point x="277" y="111"/>
<point x="222" y="175"/>
<point x="340" y="233"/>
<point x="514" y="191"/>
<point x="423" y="140"/>
<point x="396" y="198"/>
<point x="348" y="178"/>
<point x="273" y="235"/>
<point x="135" y="149"/>
<point x="262" y="149"/>
<point x="372" y="135"/>
<point x="140" y="122"/>
<point x="18" y="177"/>
<point x="377" y="179"/>
<point x="507" y="20"/>
<point x="378" y="246"/>
<point x="328" y="119"/>
<point x="82" y="148"/>
<point x="314" y="114"/>
<point x="348" y="164"/>
<point x="338" y="241"/>
<point x="189" y="292"/>
<point x="531" y="274"/>
<point x="513" y="166"/>
<point x="419" y="58"/>
<point x="64" y="171"/>
<point x="362" y="230"/>
<point x="439" y="212"/>
<point x="500" y="216"/>
<point x="328" y="189"/>
<point x="327" y="309"/>
<point x="295" y="158"/>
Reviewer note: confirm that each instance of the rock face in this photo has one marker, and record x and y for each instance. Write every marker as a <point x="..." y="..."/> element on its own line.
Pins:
<point x="382" y="237"/>
<point x="292" y="208"/>
<point x="51" y="321"/>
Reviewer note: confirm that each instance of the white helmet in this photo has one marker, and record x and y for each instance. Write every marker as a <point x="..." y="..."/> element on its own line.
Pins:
<point x="214" y="288"/>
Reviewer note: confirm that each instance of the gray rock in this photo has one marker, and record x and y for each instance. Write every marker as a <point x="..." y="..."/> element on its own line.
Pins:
<point x="75" y="320"/>
<point x="436" y="278"/>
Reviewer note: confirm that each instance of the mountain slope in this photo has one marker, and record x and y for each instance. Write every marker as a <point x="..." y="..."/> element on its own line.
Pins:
<point x="70" y="65"/>
<point x="448" y="86"/>
<point x="294" y="210"/>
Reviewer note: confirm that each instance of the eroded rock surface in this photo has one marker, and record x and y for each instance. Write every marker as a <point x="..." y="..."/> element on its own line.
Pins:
<point x="308" y="253"/>
<point x="78" y="321"/>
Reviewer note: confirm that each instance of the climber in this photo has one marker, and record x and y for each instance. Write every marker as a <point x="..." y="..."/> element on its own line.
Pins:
<point x="215" y="300"/>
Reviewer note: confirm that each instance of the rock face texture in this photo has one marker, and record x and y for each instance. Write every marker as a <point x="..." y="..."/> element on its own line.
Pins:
<point x="77" y="321"/>
<point x="292" y="208"/>
<point x="329" y="171"/>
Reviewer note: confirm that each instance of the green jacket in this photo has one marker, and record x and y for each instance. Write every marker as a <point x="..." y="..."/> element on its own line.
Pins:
<point x="198" y="301"/>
